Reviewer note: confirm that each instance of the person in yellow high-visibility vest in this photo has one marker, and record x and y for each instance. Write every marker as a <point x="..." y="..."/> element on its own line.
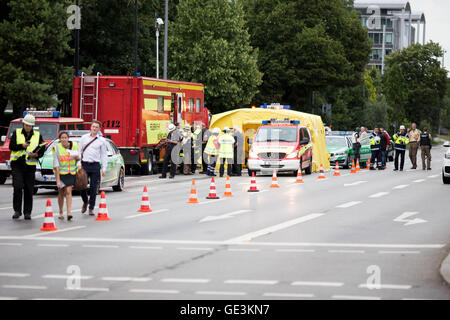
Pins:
<point x="65" y="157"/>
<point x="25" y="152"/>
<point x="226" y="150"/>
<point x="211" y="151"/>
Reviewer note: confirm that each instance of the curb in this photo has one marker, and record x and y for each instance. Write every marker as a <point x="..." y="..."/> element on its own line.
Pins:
<point x="445" y="269"/>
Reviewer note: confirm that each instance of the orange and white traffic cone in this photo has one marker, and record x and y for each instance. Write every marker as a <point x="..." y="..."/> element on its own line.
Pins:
<point x="358" y="168"/>
<point x="228" y="192"/>
<point x="193" y="197"/>
<point x="274" y="180"/>
<point x="49" y="221"/>
<point x="321" y="174"/>
<point x="145" y="203"/>
<point x="253" y="187"/>
<point x="212" y="190"/>
<point x="368" y="165"/>
<point x="299" y="176"/>
<point x="353" y="167"/>
<point x="336" y="170"/>
<point x="102" y="210"/>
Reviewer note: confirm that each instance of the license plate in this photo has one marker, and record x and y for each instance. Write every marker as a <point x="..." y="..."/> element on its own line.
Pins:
<point x="49" y="178"/>
<point x="271" y="163"/>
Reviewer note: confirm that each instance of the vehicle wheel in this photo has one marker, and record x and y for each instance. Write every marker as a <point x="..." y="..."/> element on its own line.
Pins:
<point x="120" y="181"/>
<point x="2" y="178"/>
<point x="147" y="168"/>
<point x="35" y="190"/>
<point x="309" y="169"/>
<point x="445" y="180"/>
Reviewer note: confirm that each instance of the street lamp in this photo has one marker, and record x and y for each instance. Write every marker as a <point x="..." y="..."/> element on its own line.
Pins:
<point x="158" y="24"/>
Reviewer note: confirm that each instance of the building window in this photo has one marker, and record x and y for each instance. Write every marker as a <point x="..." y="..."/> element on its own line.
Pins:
<point x="160" y="104"/>
<point x="388" y="51"/>
<point x="389" y="38"/>
<point x="198" y="105"/>
<point x="376" y="54"/>
<point x="386" y="22"/>
<point x="191" y="105"/>
<point x="364" y="22"/>
<point x="376" y="37"/>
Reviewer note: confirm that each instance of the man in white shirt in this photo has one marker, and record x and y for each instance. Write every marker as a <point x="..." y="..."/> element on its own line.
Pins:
<point x="92" y="147"/>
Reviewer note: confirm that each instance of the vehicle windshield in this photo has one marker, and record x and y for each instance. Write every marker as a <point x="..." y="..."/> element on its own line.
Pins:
<point x="47" y="130"/>
<point x="54" y="142"/>
<point x="278" y="134"/>
<point x="336" y="141"/>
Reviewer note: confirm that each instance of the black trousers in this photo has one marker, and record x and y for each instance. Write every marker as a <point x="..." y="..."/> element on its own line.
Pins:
<point x="93" y="173"/>
<point x="356" y="148"/>
<point x="237" y="167"/>
<point x="222" y="166"/>
<point x="167" y="157"/>
<point x="401" y="154"/>
<point x="376" y="155"/>
<point x="204" y="164"/>
<point x="23" y="184"/>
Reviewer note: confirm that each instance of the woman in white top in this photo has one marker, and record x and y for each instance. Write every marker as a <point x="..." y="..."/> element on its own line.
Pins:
<point x="65" y="157"/>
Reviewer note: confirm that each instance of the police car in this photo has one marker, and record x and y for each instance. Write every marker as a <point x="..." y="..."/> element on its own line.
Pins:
<point x="340" y="148"/>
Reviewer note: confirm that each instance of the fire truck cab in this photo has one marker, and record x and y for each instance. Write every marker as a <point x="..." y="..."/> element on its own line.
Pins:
<point x="281" y="145"/>
<point x="48" y="122"/>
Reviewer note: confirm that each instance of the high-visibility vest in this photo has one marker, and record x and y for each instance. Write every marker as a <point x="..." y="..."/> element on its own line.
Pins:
<point x="226" y="143"/>
<point x="20" y="139"/>
<point x="400" y="140"/>
<point x="375" y="143"/>
<point x="211" y="146"/>
<point x="66" y="165"/>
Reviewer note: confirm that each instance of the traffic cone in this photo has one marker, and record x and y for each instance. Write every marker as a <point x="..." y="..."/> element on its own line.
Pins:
<point x="358" y="168"/>
<point x="228" y="188"/>
<point x="212" y="190"/>
<point x="193" y="198"/>
<point x="321" y="175"/>
<point x="336" y="170"/>
<point x="353" y="167"/>
<point x="49" y="221"/>
<point x="102" y="210"/>
<point x="253" y="187"/>
<point x="299" y="176"/>
<point x="145" y="203"/>
<point x="274" y="180"/>
<point x="368" y="165"/>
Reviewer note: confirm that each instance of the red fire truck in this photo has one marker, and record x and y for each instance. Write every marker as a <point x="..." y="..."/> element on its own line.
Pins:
<point x="136" y="111"/>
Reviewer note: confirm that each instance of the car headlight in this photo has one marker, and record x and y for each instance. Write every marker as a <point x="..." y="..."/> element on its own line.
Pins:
<point x="292" y="155"/>
<point x="447" y="156"/>
<point x="339" y="154"/>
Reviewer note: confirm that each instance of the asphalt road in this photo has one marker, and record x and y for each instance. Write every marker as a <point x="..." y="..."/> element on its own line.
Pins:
<point x="369" y="235"/>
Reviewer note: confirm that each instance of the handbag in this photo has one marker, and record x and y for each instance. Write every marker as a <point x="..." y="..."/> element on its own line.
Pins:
<point x="81" y="177"/>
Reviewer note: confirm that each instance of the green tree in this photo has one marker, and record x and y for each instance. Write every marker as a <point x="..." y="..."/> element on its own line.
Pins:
<point x="306" y="46"/>
<point x="209" y="43"/>
<point x="34" y="42"/>
<point x="415" y="83"/>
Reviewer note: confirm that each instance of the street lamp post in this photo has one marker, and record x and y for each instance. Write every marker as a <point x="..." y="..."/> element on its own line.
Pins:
<point x="159" y="22"/>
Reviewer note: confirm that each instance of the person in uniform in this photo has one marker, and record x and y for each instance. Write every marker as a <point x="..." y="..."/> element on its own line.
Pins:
<point x="211" y="151"/>
<point x="375" y="146"/>
<point x="172" y="150"/>
<point x="26" y="147"/>
<point x="226" y="142"/>
<point x="414" y="139"/>
<point x="425" y="147"/>
<point x="400" y="142"/>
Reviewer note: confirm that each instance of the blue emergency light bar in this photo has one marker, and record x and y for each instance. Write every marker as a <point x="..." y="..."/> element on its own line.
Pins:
<point x="276" y="121"/>
<point x="275" y="106"/>
<point x="42" y="113"/>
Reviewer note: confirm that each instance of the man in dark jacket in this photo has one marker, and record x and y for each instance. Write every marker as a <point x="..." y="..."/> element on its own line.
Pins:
<point x="26" y="147"/>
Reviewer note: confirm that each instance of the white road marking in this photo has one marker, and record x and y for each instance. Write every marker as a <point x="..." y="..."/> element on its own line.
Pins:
<point x="386" y="286"/>
<point x="346" y="251"/>
<point x="9" y="298"/>
<point x="133" y="279"/>
<point x="287" y="295"/>
<point x="402" y="186"/>
<point x="398" y="252"/>
<point x="212" y="201"/>
<point x="154" y="291"/>
<point x="99" y="246"/>
<point x="419" y="180"/>
<point x="14" y="275"/>
<point x="284" y="225"/>
<point x="379" y="195"/>
<point x="143" y="214"/>
<point x="342" y="297"/>
<point x="197" y="249"/>
<point x="148" y="248"/>
<point x="10" y="244"/>
<point x="223" y="293"/>
<point x="261" y="282"/>
<point x="26" y="287"/>
<point x="348" y="204"/>
<point x="295" y="250"/>
<point x="403" y="218"/>
<point x="88" y="289"/>
<point x="52" y="232"/>
<point x="65" y="276"/>
<point x="317" y="283"/>
<point x="244" y="250"/>
<point x="185" y="280"/>
<point x="354" y="183"/>
<point x="51" y="245"/>
<point x="224" y="216"/>
<point x="6" y="208"/>
<point x="433" y="176"/>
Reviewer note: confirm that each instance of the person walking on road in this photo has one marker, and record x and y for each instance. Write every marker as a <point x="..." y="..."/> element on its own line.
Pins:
<point x="211" y="151"/>
<point x="414" y="139"/>
<point x="94" y="162"/>
<point x="172" y="152"/>
<point x="238" y="151"/>
<point x="425" y="147"/>
<point x="400" y="142"/>
<point x="27" y="146"/>
<point x="375" y="146"/>
<point x="65" y="157"/>
<point x="226" y="142"/>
